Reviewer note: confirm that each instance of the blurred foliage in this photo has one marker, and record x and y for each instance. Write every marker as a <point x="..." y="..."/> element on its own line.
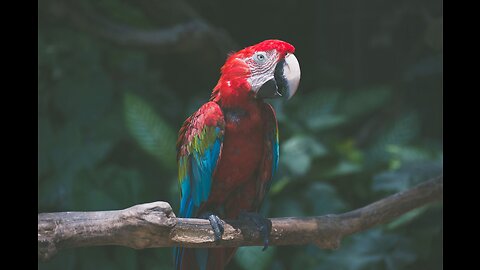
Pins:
<point x="366" y="122"/>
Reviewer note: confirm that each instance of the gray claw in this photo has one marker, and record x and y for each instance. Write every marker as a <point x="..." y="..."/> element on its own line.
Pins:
<point x="264" y="225"/>
<point x="217" y="225"/>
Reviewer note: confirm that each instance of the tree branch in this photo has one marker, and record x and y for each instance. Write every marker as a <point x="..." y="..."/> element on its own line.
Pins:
<point x="220" y="39"/>
<point x="184" y="36"/>
<point x="155" y="225"/>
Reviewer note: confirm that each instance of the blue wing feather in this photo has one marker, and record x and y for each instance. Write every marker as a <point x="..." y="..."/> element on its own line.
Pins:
<point x="201" y="144"/>
<point x="197" y="183"/>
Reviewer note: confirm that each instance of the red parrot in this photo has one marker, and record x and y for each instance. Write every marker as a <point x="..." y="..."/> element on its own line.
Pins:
<point x="227" y="151"/>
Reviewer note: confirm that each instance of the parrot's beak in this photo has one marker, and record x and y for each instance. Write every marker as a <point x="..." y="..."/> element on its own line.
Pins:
<point x="291" y="74"/>
<point x="285" y="79"/>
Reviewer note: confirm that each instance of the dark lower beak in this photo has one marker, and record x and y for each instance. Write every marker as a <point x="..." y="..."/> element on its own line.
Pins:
<point x="268" y="90"/>
<point x="285" y="79"/>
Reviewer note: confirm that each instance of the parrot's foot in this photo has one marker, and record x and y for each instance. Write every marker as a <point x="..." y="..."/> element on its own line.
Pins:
<point x="217" y="225"/>
<point x="263" y="224"/>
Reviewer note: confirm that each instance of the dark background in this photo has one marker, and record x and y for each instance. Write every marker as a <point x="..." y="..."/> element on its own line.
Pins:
<point x="116" y="79"/>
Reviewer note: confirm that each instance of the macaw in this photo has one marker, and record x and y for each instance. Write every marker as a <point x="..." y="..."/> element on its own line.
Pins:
<point x="228" y="151"/>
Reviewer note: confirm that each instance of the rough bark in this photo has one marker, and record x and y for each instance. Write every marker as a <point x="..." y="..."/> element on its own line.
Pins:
<point x="155" y="225"/>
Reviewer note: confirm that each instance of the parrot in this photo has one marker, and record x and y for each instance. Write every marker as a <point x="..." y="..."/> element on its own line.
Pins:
<point x="228" y="150"/>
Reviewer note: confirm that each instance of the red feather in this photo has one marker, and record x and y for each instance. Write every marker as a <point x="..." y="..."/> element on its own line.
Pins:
<point x="244" y="167"/>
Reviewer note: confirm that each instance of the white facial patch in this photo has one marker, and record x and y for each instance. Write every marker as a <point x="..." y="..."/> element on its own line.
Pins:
<point x="261" y="72"/>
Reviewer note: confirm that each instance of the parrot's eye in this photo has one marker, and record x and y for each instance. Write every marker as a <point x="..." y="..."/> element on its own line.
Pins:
<point x="260" y="57"/>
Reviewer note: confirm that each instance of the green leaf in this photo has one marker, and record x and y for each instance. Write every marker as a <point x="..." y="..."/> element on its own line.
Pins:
<point x="407" y="218"/>
<point x="391" y="181"/>
<point x="350" y="151"/>
<point x="297" y="152"/>
<point x="279" y="185"/>
<point x="317" y="110"/>
<point x="404" y="130"/>
<point x="324" y="122"/>
<point x="316" y="103"/>
<point x="408" y="153"/>
<point x="372" y="249"/>
<point x="324" y="199"/>
<point x="152" y="133"/>
<point x="364" y="101"/>
<point x="343" y="167"/>
<point x="400" y="133"/>
<point x="408" y="175"/>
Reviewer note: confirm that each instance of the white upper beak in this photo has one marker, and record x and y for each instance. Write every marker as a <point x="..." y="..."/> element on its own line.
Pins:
<point x="291" y="71"/>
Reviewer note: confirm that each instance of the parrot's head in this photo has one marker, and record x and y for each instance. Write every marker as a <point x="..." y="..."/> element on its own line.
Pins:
<point x="268" y="69"/>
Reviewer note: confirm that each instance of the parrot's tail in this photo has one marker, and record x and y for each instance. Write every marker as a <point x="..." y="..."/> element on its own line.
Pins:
<point x="202" y="258"/>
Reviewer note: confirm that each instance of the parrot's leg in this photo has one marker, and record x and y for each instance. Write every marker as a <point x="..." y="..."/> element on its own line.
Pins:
<point x="263" y="224"/>
<point x="216" y="223"/>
